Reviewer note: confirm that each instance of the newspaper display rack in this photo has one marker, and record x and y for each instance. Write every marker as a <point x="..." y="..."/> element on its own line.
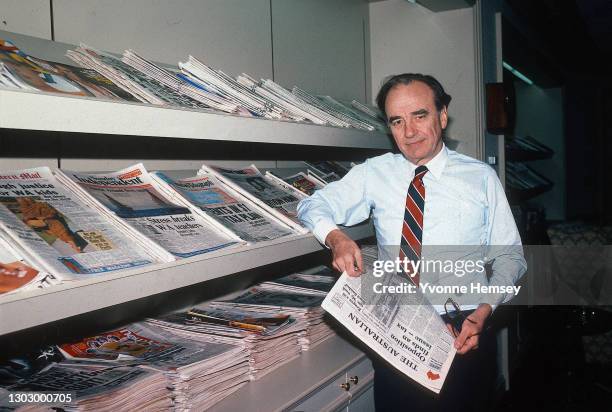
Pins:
<point x="40" y="111"/>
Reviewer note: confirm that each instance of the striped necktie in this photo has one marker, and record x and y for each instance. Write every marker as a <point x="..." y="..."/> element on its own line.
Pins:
<point x="412" y="229"/>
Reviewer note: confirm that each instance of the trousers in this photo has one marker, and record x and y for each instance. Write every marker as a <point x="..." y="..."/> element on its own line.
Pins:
<point x="470" y="385"/>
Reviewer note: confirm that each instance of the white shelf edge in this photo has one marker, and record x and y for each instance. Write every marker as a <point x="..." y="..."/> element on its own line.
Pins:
<point x="50" y="112"/>
<point x="295" y="379"/>
<point x="23" y="310"/>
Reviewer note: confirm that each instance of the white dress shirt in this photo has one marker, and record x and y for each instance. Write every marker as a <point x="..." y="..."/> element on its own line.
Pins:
<point x="465" y="205"/>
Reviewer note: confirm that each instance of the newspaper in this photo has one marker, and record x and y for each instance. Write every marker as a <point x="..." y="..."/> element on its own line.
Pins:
<point x="132" y="196"/>
<point x="22" y="71"/>
<point x="404" y="329"/>
<point x="57" y="232"/>
<point x="210" y="196"/>
<point x="171" y="80"/>
<point x="316" y="284"/>
<point x="15" y="273"/>
<point x="278" y="200"/>
<point x="90" y="387"/>
<point x="304" y="183"/>
<point x="134" y="81"/>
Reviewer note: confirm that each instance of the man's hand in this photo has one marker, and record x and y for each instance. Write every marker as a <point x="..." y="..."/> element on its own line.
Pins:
<point x="471" y="329"/>
<point x="346" y="253"/>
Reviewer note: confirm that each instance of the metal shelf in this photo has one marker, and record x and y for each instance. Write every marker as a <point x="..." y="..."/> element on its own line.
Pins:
<point x="51" y="112"/>
<point x="27" y="309"/>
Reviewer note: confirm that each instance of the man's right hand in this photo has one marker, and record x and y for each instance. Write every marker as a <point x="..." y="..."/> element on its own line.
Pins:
<point x="346" y="253"/>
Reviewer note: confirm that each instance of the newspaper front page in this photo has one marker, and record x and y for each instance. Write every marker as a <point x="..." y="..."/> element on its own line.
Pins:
<point x="404" y="329"/>
<point x="241" y="216"/>
<point x="253" y="184"/>
<point x="58" y="232"/>
<point x="131" y="195"/>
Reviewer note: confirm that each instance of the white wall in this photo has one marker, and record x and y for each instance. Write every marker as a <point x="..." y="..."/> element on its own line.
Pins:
<point x="31" y="17"/>
<point x="406" y="37"/>
<point x="539" y="114"/>
<point x="231" y="34"/>
<point x="319" y="46"/>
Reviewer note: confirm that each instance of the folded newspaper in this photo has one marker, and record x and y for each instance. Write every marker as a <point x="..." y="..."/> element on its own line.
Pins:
<point x="405" y="329"/>
<point x="279" y="199"/>
<point x="209" y="196"/>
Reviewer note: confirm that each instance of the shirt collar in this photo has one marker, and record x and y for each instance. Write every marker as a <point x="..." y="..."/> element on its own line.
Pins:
<point x="435" y="165"/>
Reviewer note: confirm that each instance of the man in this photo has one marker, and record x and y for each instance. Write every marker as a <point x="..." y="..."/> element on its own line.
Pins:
<point x="457" y="201"/>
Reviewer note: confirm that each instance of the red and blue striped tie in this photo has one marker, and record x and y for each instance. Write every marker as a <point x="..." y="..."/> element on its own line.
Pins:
<point x="412" y="230"/>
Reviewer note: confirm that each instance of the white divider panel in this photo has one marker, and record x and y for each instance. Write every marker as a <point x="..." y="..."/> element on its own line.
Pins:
<point x="319" y="46"/>
<point x="232" y="35"/>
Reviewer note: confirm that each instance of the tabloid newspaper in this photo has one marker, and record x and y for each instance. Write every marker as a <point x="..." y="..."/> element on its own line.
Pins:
<point x="405" y="329"/>
<point x="15" y="274"/>
<point x="212" y="197"/>
<point x="130" y="195"/>
<point x="58" y="232"/>
<point x="250" y="182"/>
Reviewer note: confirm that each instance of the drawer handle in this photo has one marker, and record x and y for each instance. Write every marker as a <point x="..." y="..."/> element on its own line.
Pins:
<point x="354" y="379"/>
<point x="346" y="386"/>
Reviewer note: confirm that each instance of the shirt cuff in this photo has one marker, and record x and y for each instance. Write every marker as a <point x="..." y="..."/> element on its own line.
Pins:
<point x="322" y="229"/>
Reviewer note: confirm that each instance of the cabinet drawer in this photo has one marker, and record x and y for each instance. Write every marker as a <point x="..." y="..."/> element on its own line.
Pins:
<point x="332" y="397"/>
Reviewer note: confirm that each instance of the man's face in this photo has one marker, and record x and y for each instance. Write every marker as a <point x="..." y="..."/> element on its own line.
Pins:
<point x="415" y="122"/>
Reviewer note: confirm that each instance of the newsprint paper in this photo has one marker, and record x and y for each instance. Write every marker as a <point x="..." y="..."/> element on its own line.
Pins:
<point x="404" y="329"/>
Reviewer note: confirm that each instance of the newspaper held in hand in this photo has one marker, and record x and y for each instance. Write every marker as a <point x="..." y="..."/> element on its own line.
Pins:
<point x="57" y="232"/>
<point x="404" y="329"/>
<point x="131" y="197"/>
<point x="209" y="196"/>
<point x="265" y="191"/>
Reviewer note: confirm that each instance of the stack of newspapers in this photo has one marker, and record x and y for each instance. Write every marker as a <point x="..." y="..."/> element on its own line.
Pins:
<point x="273" y="194"/>
<point x="193" y="85"/>
<point x="81" y="386"/>
<point x="304" y="183"/>
<point x="315" y="281"/>
<point x="521" y="176"/>
<point x="57" y="231"/>
<point x="21" y="71"/>
<point x="214" y="199"/>
<point x="198" y="374"/>
<point x="326" y="171"/>
<point x="133" y="200"/>
<point x="269" y="340"/>
<point x="66" y="225"/>
<point x="305" y="308"/>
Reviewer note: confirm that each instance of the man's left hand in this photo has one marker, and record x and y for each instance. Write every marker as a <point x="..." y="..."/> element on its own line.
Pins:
<point x="471" y="329"/>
